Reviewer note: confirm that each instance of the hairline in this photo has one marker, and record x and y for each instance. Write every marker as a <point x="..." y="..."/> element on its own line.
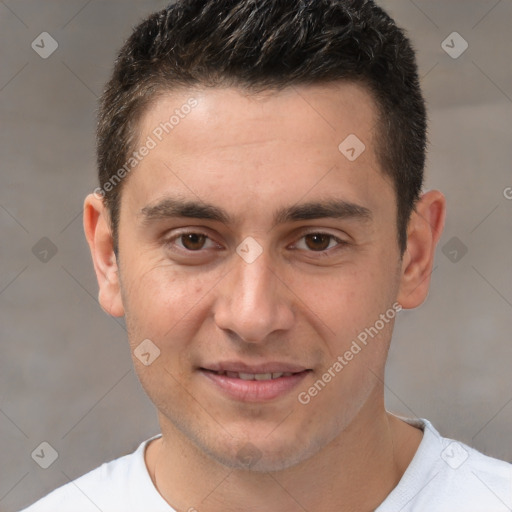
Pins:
<point x="170" y="87"/>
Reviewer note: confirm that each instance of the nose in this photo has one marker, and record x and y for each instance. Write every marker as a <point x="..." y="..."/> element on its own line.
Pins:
<point x="253" y="302"/>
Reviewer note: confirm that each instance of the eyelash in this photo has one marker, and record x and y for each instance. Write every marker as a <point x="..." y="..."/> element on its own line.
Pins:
<point x="339" y="243"/>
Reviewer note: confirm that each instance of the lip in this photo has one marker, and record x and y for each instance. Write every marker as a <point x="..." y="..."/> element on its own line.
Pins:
<point x="254" y="390"/>
<point x="238" y="366"/>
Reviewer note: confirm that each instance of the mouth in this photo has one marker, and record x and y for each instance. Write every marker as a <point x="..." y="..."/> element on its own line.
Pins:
<point x="254" y="384"/>
<point x="251" y="376"/>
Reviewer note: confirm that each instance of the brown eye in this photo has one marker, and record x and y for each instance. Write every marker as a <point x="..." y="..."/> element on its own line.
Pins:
<point x="193" y="241"/>
<point x="318" y="241"/>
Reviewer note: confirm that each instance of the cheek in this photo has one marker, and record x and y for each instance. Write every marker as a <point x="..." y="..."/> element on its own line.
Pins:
<point x="351" y="304"/>
<point x="160" y="300"/>
<point x="351" y="297"/>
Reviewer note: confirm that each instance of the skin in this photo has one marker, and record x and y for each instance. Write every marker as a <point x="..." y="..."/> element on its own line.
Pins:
<point x="250" y="156"/>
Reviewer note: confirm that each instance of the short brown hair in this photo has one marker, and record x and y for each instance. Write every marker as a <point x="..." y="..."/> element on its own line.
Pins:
<point x="265" y="45"/>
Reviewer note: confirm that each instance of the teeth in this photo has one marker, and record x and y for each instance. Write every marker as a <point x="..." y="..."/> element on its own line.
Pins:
<point x="262" y="376"/>
<point x="255" y="376"/>
<point x="246" y="376"/>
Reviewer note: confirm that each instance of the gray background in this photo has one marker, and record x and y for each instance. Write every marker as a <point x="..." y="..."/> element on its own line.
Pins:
<point x="65" y="368"/>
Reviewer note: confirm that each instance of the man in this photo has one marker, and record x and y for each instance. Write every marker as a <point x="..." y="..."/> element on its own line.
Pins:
<point x="260" y="223"/>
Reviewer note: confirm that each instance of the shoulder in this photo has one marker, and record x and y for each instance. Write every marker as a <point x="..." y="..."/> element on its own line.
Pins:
<point x="484" y="482"/>
<point x="449" y="476"/>
<point x="107" y="487"/>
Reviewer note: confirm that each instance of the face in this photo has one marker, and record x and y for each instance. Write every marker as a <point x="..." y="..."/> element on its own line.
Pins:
<point x="251" y="247"/>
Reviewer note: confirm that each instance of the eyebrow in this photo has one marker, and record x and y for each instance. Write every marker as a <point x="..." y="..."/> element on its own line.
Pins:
<point x="331" y="208"/>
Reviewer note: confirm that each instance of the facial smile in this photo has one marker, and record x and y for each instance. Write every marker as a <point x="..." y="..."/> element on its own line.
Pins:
<point x="257" y="383"/>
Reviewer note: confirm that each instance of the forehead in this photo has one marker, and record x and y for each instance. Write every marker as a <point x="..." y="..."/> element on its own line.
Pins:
<point x="318" y="115"/>
<point x="272" y="146"/>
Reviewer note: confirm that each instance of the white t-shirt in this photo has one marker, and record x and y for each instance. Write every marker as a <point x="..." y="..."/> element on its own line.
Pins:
<point x="443" y="476"/>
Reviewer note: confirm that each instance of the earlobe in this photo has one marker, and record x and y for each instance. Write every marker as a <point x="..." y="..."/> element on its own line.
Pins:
<point x="423" y="233"/>
<point x="99" y="237"/>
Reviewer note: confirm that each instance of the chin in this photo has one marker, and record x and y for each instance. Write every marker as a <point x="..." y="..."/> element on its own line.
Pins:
<point x="263" y="455"/>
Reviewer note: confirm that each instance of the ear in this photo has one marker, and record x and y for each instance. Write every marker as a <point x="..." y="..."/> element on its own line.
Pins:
<point x="423" y="233"/>
<point x="99" y="236"/>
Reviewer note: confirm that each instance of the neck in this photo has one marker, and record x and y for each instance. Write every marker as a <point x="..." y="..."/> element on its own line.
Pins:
<point x="356" y="471"/>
